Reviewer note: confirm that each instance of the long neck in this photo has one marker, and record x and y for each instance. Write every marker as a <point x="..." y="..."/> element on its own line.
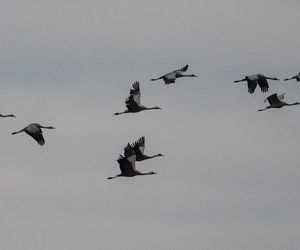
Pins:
<point x="182" y="75"/>
<point x="155" y="79"/>
<point x="145" y="108"/>
<point x="13" y="133"/>
<point x="126" y="111"/>
<point x="292" y="104"/>
<point x="49" y="127"/>
<point x="113" y="177"/>
<point x="264" y="108"/>
<point x="271" y="78"/>
<point x="149" y="173"/>
<point x="242" y="80"/>
<point x="153" y="156"/>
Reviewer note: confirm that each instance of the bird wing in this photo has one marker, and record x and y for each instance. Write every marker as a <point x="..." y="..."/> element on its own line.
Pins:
<point x="122" y="164"/>
<point x="281" y="97"/>
<point x="272" y="99"/>
<point x="251" y="85"/>
<point x="35" y="132"/>
<point x="125" y="166"/>
<point x="131" y="160"/>
<point x="136" y="93"/>
<point x="263" y="84"/>
<point x="131" y="104"/>
<point x="141" y="144"/>
<point x="38" y="136"/>
<point x="183" y="69"/>
<point x="128" y="150"/>
<point x="127" y="162"/>
<point x="139" y="148"/>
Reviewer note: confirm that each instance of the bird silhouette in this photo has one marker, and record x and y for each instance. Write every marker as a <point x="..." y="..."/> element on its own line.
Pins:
<point x="171" y="76"/>
<point x="127" y="164"/>
<point x="133" y="102"/>
<point x="276" y="101"/>
<point x="35" y="131"/>
<point x="253" y="80"/>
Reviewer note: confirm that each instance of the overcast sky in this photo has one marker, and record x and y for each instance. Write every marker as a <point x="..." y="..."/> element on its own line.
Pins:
<point x="230" y="175"/>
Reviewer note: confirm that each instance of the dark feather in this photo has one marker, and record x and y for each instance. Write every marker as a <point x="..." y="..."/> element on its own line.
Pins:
<point x="38" y="136"/>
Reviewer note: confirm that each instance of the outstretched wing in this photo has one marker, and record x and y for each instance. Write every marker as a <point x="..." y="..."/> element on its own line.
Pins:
<point x="272" y="99"/>
<point x="122" y="164"/>
<point x="38" y="136"/>
<point x="125" y="166"/>
<point x="136" y="93"/>
<point x="131" y="104"/>
<point x="130" y="155"/>
<point x="183" y="69"/>
<point x="251" y="86"/>
<point x="139" y="146"/>
<point x="263" y="84"/>
<point x="35" y="132"/>
<point x="128" y="150"/>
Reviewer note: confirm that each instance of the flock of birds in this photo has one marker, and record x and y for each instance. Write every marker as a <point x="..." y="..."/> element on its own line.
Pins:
<point x="135" y="151"/>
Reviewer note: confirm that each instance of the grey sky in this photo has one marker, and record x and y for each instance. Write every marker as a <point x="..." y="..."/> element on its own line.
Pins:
<point x="230" y="175"/>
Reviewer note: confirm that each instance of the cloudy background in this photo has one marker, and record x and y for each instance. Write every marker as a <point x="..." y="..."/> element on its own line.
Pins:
<point x="230" y="175"/>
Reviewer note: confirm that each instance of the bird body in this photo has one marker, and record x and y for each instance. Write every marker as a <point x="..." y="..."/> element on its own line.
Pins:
<point x="253" y="80"/>
<point x="171" y="76"/>
<point x="276" y="101"/>
<point x="297" y="77"/>
<point x="133" y="102"/>
<point x="127" y="165"/>
<point x="35" y="131"/>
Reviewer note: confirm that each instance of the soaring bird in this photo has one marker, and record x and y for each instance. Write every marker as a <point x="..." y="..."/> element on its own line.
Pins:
<point x="276" y="101"/>
<point x="297" y="77"/>
<point x="35" y="131"/>
<point x="171" y="76"/>
<point x="260" y="79"/>
<point x="127" y="165"/>
<point x="139" y="148"/>
<point x="10" y="115"/>
<point x="133" y="102"/>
